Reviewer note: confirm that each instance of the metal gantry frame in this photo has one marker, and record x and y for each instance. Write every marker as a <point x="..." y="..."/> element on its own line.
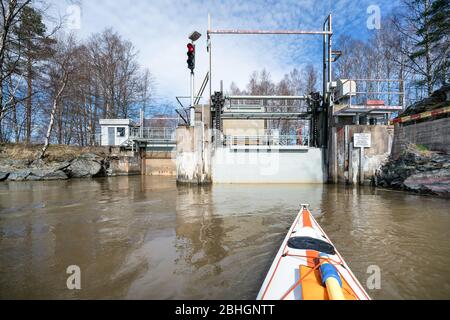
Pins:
<point x="236" y="113"/>
<point x="326" y="32"/>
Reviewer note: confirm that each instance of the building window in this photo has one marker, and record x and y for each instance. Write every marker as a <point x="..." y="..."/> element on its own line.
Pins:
<point x="121" y="132"/>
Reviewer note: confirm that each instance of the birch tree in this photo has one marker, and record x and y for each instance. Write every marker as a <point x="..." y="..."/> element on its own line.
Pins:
<point x="60" y="70"/>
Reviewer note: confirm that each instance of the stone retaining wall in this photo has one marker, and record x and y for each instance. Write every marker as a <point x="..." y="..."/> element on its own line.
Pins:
<point x="434" y="135"/>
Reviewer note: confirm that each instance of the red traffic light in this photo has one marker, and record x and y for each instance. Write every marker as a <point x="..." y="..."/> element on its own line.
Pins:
<point x="191" y="56"/>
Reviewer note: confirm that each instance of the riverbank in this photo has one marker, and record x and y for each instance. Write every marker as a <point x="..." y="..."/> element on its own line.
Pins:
<point x="418" y="170"/>
<point x="18" y="163"/>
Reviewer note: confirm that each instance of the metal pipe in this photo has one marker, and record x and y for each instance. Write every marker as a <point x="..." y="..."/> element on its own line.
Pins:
<point x="378" y="92"/>
<point x="162" y="119"/>
<point x="210" y="66"/>
<point x="325" y="112"/>
<point x="181" y="116"/>
<point x="142" y="122"/>
<point x="192" y="108"/>
<point x="266" y="115"/>
<point x="201" y="90"/>
<point x="330" y="49"/>
<point x="285" y="32"/>
<point x="374" y="80"/>
<point x="324" y="77"/>
<point x="266" y="97"/>
<point x="188" y="97"/>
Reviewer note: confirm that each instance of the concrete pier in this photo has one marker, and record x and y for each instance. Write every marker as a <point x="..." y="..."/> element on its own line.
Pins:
<point x="192" y="155"/>
<point x="345" y="165"/>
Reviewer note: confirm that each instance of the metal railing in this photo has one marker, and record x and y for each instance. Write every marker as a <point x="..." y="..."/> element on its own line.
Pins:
<point x="358" y="92"/>
<point x="267" y="139"/>
<point x="153" y="134"/>
<point x="267" y="104"/>
<point x="290" y="140"/>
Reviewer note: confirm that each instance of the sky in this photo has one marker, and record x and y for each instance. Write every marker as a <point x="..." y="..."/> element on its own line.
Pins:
<point x="159" y="30"/>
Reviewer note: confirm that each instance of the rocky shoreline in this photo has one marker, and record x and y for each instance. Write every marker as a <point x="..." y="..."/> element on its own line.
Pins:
<point x="87" y="165"/>
<point x="423" y="172"/>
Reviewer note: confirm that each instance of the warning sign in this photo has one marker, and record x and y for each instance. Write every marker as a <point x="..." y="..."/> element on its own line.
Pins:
<point x="362" y="140"/>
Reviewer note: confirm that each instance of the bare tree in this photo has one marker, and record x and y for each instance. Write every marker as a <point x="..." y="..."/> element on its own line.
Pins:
<point x="10" y="12"/>
<point x="310" y="78"/>
<point x="234" y="89"/>
<point x="60" y="69"/>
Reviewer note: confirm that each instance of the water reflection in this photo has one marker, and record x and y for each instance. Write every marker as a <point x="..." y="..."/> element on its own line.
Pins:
<point x="146" y="238"/>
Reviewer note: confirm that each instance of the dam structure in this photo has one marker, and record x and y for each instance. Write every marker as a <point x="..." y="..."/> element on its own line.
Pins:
<point x="342" y="134"/>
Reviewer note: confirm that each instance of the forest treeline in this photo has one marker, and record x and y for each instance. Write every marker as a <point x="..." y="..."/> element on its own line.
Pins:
<point x="56" y="87"/>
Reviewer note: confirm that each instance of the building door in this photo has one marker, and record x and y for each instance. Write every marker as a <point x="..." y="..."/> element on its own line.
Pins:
<point x="111" y="136"/>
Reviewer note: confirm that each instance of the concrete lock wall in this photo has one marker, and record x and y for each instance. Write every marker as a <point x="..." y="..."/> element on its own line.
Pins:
<point x="345" y="164"/>
<point x="435" y="135"/>
<point x="159" y="163"/>
<point x="230" y="166"/>
<point x="125" y="165"/>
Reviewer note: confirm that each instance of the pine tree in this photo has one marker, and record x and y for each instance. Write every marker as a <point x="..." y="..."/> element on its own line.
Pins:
<point x="34" y="44"/>
<point x="439" y="37"/>
<point x="429" y="54"/>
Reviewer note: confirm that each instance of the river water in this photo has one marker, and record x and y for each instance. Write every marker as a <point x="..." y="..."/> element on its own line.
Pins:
<point x="146" y="238"/>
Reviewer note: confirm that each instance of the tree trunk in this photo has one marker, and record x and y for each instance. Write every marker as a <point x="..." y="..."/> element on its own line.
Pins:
<point x="60" y="126"/>
<point x="91" y="133"/>
<point x="49" y="130"/>
<point x="402" y="86"/>
<point x="428" y="66"/>
<point x="1" y="110"/>
<point x="52" y="117"/>
<point x="15" y="124"/>
<point x="29" y="103"/>
<point x="95" y="116"/>
<point x="429" y="71"/>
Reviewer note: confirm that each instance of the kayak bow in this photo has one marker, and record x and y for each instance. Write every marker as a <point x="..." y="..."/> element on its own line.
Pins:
<point x="308" y="267"/>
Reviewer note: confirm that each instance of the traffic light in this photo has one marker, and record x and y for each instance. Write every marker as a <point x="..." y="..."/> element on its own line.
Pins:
<point x="191" y="57"/>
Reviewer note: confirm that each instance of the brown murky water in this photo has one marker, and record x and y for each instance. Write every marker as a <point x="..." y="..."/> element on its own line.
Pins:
<point x="144" y="238"/>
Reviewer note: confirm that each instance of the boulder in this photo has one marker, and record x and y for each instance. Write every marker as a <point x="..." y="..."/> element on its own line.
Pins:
<point x="10" y="165"/>
<point x="90" y="156"/>
<point x="62" y="165"/>
<point x="19" y="175"/>
<point x="3" y="175"/>
<point x="50" y="166"/>
<point x="421" y="172"/>
<point x="435" y="182"/>
<point x="88" y="165"/>
<point x="46" y="175"/>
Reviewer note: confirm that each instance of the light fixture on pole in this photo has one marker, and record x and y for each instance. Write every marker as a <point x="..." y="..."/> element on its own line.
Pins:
<point x="195" y="36"/>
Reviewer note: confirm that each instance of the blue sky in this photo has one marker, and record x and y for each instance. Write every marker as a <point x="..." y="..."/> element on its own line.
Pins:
<point x="159" y="31"/>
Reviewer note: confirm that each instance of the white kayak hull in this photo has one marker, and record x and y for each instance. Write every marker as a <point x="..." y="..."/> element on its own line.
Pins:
<point x="297" y="271"/>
